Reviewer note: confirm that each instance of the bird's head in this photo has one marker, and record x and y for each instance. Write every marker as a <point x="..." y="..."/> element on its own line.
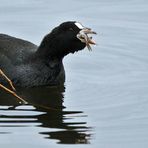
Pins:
<point x="66" y="38"/>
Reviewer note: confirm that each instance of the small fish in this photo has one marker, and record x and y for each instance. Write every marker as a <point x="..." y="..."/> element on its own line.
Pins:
<point x="83" y="36"/>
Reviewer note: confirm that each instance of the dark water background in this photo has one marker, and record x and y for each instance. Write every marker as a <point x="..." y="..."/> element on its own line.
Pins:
<point x="104" y="103"/>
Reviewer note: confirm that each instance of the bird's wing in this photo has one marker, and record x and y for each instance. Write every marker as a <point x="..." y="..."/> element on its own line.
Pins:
<point x="14" y="51"/>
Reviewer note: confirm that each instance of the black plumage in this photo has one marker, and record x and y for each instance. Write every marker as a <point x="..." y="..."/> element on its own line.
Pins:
<point x="28" y="65"/>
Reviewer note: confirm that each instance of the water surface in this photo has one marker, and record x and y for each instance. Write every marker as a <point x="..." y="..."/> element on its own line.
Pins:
<point x="104" y="102"/>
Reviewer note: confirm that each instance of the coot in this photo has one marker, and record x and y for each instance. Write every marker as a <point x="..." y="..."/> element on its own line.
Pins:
<point x="28" y="65"/>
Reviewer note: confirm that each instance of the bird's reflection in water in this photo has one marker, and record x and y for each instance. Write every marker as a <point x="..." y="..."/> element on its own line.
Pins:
<point x="49" y="101"/>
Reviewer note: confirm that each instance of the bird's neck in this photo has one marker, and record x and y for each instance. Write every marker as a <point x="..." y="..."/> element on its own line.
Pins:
<point x="46" y="55"/>
<point x="50" y="49"/>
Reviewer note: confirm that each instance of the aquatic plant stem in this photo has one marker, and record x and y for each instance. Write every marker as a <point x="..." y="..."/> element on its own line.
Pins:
<point x="13" y="93"/>
<point x="13" y="88"/>
<point x="9" y="81"/>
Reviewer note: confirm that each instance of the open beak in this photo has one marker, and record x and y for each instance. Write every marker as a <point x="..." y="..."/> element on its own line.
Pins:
<point x="83" y="37"/>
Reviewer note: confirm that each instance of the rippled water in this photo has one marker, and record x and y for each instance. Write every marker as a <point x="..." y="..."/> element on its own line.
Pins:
<point x="104" y="102"/>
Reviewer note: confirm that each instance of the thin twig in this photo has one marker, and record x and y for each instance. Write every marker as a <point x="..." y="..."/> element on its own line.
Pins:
<point x="13" y="88"/>
<point x="9" y="81"/>
<point x="13" y="93"/>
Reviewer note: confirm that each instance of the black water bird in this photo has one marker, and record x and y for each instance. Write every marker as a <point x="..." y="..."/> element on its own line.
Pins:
<point x="28" y="65"/>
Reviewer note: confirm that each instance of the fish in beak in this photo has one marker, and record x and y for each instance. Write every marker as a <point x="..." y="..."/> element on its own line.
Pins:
<point x="83" y="37"/>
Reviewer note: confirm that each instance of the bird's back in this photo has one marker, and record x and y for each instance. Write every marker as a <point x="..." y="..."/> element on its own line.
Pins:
<point x="14" y="51"/>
